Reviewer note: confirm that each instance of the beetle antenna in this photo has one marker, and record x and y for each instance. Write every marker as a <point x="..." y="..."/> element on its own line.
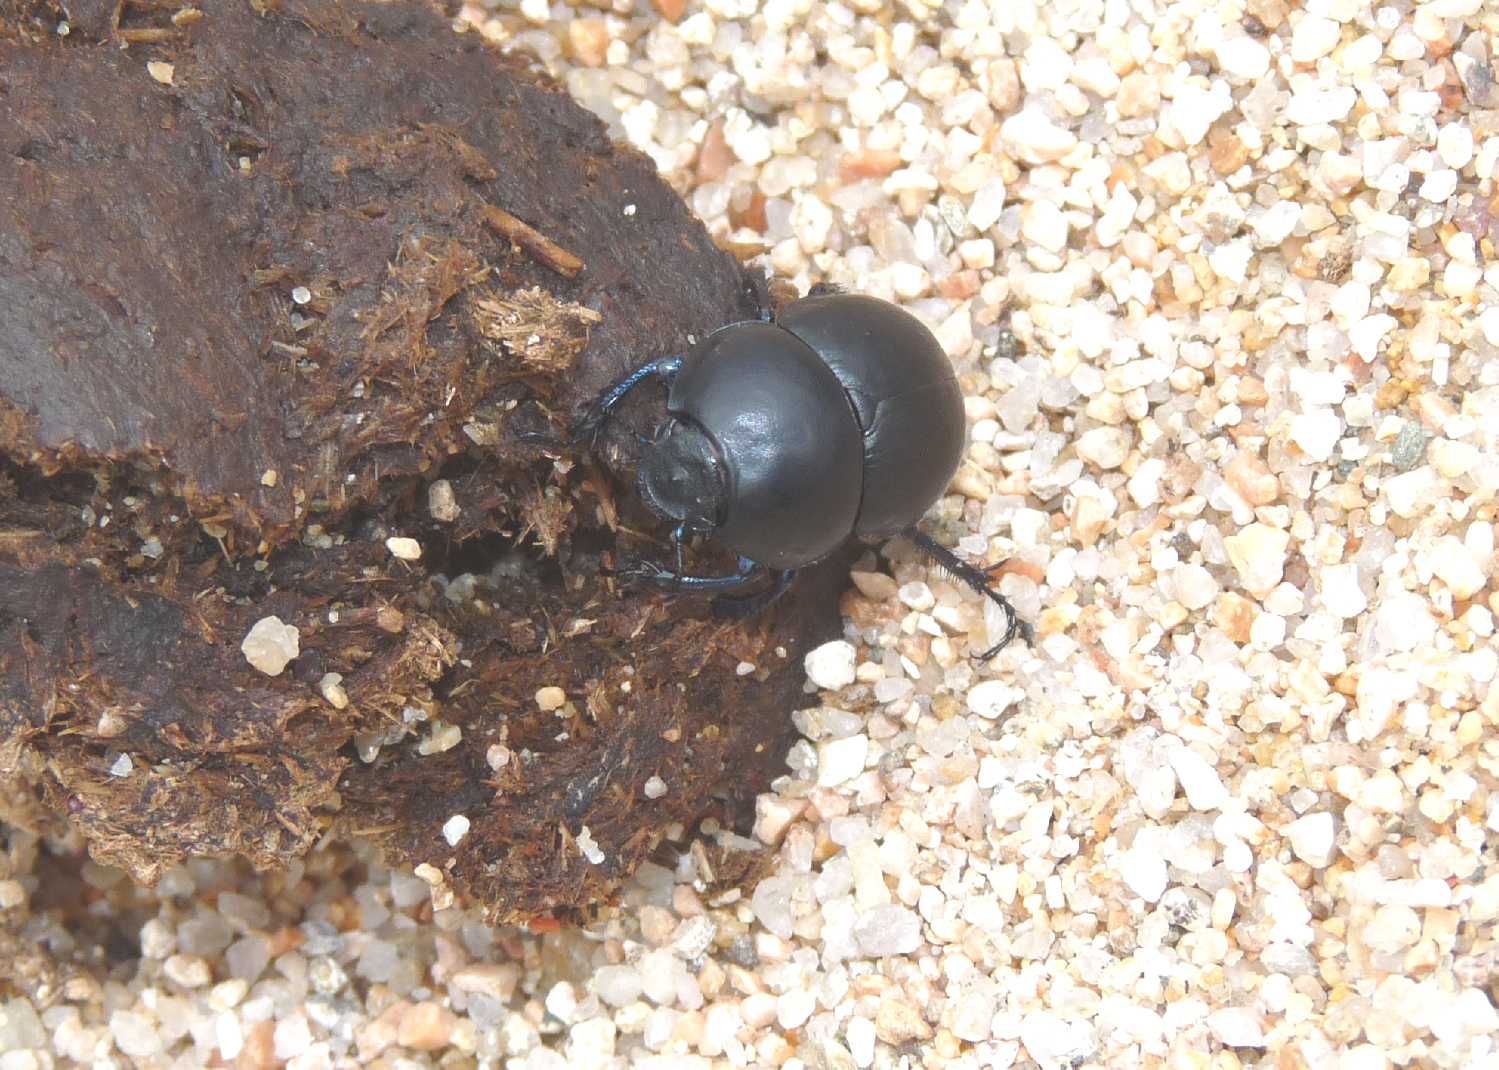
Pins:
<point x="980" y="581"/>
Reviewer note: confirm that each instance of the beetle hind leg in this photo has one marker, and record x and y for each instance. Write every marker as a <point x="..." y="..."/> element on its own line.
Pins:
<point x="981" y="581"/>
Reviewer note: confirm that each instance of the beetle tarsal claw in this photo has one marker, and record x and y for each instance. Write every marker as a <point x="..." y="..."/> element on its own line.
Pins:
<point x="1014" y="627"/>
<point x="642" y="571"/>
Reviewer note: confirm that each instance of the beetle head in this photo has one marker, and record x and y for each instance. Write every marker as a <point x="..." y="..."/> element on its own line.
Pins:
<point x="682" y="476"/>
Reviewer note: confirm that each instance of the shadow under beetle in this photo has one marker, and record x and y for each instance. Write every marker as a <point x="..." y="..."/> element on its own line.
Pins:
<point x="838" y="416"/>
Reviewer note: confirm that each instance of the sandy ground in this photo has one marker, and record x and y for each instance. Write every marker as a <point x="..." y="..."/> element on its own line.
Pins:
<point x="1218" y="280"/>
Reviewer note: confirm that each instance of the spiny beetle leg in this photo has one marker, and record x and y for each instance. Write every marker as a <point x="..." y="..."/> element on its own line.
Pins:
<point x="981" y="581"/>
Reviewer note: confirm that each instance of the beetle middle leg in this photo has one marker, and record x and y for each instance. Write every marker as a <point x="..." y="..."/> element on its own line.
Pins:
<point x="981" y="582"/>
<point x="592" y="423"/>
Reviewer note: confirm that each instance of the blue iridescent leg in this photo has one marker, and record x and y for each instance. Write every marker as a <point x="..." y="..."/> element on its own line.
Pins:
<point x="592" y="423"/>
<point x="675" y="579"/>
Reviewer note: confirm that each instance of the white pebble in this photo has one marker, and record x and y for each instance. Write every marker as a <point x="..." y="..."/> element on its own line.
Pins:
<point x="442" y="503"/>
<point x="794" y="1007"/>
<point x="189" y="971"/>
<point x="694" y="937"/>
<point x="1034" y="138"/>
<point x="1411" y="492"/>
<point x="888" y="930"/>
<point x="1231" y="260"/>
<point x="292" y="1036"/>
<point x="746" y="138"/>
<point x="1313" y="38"/>
<point x="228" y="1035"/>
<point x="1195" y="109"/>
<point x="1311" y="838"/>
<point x="1313" y="107"/>
<point x="1470" y="1015"/>
<point x="561" y="1001"/>
<point x="991" y="698"/>
<point x="1258" y="553"/>
<point x="1195" y="586"/>
<point x="1457" y="567"/>
<point x="861" y="1041"/>
<point x="972" y="1014"/>
<point x="917" y="596"/>
<point x="1243" y="57"/>
<point x="454" y="829"/>
<point x="1055" y="1042"/>
<point x="1317" y="432"/>
<point x="1392" y="929"/>
<point x="589" y="846"/>
<point x="987" y="204"/>
<point x="134" y="1034"/>
<point x="331" y="686"/>
<point x="1144" y="872"/>
<point x="1366" y="335"/>
<point x="1104" y="447"/>
<point x="1043" y="223"/>
<point x="654" y="787"/>
<point x="1204" y="788"/>
<point x="271" y="644"/>
<point x="840" y="760"/>
<point x="617" y="985"/>
<point x="831" y="666"/>
<point x="403" y="548"/>
<point x="1403" y="621"/>
<point x="1341" y="594"/>
<point x="1145" y="485"/>
<point x="1236" y="1027"/>
<point x="1488" y="324"/>
<point x="1455" y="145"/>
<point x="443" y="737"/>
<point x="1274" y="224"/>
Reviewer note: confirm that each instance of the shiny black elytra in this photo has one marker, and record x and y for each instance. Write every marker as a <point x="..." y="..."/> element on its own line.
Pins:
<point x="784" y="437"/>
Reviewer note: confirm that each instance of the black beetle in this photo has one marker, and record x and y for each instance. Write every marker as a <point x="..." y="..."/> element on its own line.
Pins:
<point x="839" y="416"/>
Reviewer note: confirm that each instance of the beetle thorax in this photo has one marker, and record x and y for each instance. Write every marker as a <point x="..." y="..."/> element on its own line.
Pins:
<point x="682" y="476"/>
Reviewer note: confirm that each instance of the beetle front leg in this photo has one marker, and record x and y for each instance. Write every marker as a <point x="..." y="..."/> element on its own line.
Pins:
<point x="979" y="580"/>
<point x="674" y="578"/>
<point x="592" y="423"/>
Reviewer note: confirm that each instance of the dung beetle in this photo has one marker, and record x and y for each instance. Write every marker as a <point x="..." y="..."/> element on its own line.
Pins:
<point x="838" y="416"/>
